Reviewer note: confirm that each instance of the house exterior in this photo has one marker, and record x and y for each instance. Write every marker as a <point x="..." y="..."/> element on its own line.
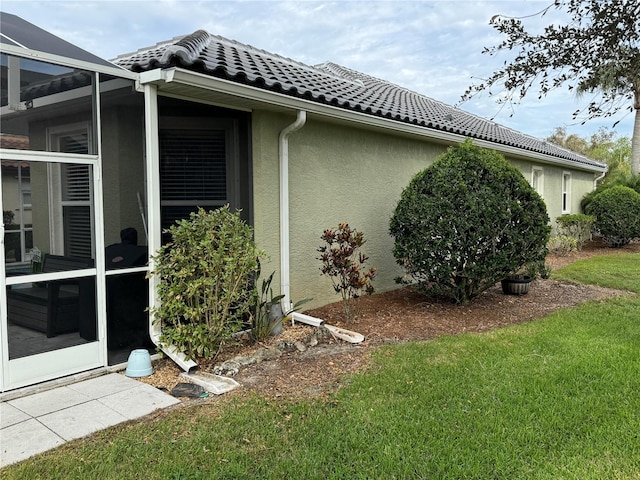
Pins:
<point x="100" y="156"/>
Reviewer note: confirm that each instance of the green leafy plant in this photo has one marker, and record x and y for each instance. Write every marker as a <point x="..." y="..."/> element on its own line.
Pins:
<point x="207" y="274"/>
<point x="537" y="269"/>
<point x="617" y="212"/>
<point x="466" y="222"/>
<point x="624" y="179"/>
<point x="262" y="321"/>
<point x="344" y="263"/>
<point x="267" y="316"/>
<point x="562" y="245"/>
<point x="577" y="226"/>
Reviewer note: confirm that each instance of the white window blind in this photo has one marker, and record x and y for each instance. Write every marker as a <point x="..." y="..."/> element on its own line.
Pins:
<point x="76" y="197"/>
<point x="193" y="172"/>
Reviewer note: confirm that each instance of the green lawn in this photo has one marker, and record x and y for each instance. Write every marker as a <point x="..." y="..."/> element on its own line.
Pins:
<point x="552" y="399"/>
<point x="614" y="271"/>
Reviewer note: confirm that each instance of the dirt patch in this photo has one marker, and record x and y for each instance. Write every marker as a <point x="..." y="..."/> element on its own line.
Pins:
<point x="397" y="316"/>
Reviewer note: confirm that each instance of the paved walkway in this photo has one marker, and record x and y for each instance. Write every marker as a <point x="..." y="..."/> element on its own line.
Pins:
<point x="35" y="423"/>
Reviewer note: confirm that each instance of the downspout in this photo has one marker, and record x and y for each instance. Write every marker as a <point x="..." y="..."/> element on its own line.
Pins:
<point x="283" y="157"/>
<point x="597" y="179"/>
<point x="153" y="217"/>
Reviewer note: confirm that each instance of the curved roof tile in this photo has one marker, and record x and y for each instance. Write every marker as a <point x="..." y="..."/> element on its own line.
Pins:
<point x="332" y="84"/>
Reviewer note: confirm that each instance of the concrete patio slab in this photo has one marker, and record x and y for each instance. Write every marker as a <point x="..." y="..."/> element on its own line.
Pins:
<point x="38" y="422"/>
<point x="81" y="420"/>
<point x="25" y="439"/>
<point x="10" y="415"/>
<point x="104" y="385"/>
<point x="49" y="401"/>
<point x="147" y="400"/>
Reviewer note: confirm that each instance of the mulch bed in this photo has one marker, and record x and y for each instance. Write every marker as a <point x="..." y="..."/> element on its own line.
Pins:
<point x="396" y="316"/>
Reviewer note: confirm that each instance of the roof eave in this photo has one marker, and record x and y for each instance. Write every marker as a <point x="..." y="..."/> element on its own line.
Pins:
<point x="280" y="100"/>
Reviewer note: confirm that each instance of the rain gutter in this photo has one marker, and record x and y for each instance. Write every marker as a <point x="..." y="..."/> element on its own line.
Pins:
<point x="279" y="101"/>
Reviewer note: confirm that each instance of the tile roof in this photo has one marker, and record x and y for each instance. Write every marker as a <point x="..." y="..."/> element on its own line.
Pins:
<point x="331" y="84"/>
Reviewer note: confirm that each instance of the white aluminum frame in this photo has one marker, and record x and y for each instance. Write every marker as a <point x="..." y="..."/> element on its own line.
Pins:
<point x="25" y="371"/>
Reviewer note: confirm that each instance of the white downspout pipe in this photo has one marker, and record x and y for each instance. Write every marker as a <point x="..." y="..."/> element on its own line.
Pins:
<point x="153" y="216"/>
<point x="283" y="157"/>
<point x="597" y="179"/>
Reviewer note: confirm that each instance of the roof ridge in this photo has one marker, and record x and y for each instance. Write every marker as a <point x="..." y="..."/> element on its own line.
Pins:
<point x="188" y="48"/>
<point x="357" y="73"/>
<point x="275" y="56"/>
<point x="150" y="47"/>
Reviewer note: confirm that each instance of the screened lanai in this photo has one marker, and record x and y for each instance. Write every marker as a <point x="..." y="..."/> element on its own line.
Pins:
<point x="74" y="195"/>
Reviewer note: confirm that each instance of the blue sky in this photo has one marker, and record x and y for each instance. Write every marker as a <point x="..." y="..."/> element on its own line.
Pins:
<point x="429" y="46"/>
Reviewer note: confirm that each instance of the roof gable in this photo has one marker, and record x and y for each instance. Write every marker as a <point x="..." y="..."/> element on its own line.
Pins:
<point x="331" y="84"/>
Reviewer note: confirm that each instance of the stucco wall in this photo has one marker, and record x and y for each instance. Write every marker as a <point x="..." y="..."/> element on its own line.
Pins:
<point x="581" y="184"/>
<point x="339" y="173"/>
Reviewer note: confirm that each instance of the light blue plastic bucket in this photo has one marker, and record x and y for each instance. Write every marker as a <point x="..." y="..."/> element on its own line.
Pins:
<point x="139" y="364"/>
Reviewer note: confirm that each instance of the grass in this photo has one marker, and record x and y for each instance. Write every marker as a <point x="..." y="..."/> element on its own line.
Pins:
<point x="551" y="399"/>
<point x="614" y="271"/>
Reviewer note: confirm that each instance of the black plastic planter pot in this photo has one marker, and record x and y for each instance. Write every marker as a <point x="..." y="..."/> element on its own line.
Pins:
<point x="516" y="285"/>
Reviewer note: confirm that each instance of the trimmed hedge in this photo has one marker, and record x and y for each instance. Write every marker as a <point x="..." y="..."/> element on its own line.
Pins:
<point x="617" y="212"/>
<point x="467" y="221"/>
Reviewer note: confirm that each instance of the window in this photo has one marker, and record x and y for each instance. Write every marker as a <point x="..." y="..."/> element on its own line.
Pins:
<point x="197" y="168"/>
<point x="74" y="193"/>
<point x="16" y="199"/>
<point x="566" y="192"/>
<point x="537" y="177"/>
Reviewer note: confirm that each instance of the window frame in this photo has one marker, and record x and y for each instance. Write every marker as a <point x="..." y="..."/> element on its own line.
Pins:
<point x="566" y="192"/>
<point x="57" y="204"/>
<point x="231" y="139"/>
<point x="537" y="179"/>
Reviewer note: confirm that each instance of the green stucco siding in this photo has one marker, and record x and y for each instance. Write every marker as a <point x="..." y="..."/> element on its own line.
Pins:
<point x="581" y="184"/>
<point x="337" y="173"/>
<point x="341" y="173"/>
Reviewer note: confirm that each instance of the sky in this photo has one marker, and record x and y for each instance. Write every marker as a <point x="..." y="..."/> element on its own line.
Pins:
<point x="433" y="47"/>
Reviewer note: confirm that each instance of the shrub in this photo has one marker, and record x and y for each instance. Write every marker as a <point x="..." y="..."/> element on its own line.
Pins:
<point x="466" y="221"/>
<point x="577" y="226"/>
<point x="613" y="179"/>
<point x="562" y="245"/>
<point x="617" y="212"/>
<point x="343" y="262"/>
<point x="207" y="274"/>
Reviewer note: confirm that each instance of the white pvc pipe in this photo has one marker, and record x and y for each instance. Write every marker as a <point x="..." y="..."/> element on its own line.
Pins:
<point x="308" y="319"/>
<point x="341" y="333"/>
<point x="283" y="158"/>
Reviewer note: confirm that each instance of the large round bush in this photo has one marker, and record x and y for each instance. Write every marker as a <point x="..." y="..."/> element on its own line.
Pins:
<point x="466" y="221"/>
<point x="617" y="212"/>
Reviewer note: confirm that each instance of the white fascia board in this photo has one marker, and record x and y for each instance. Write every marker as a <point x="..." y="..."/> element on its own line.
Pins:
<point x="200" y="80"/>
<point x="67" y="62"/>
